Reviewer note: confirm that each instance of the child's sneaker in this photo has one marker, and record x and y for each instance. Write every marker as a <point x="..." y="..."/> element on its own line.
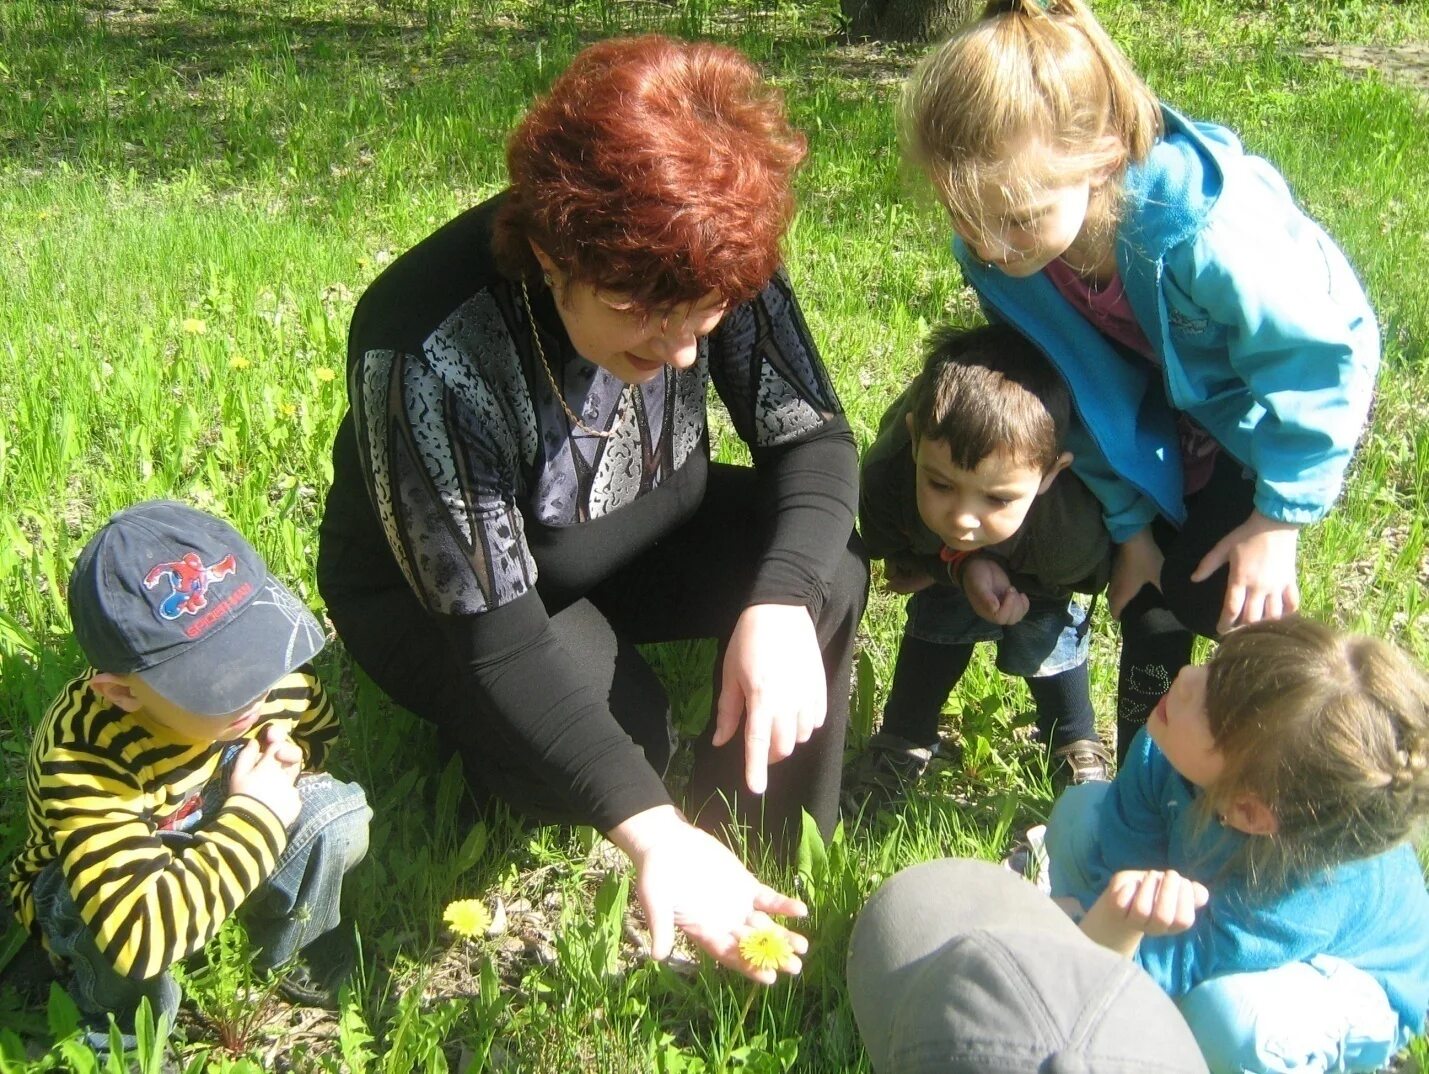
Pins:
<point x="878" y="778"/>
<point x="1084" y="761"/>
<point x="314" y="977"/>
<point x="1028" y="859"/>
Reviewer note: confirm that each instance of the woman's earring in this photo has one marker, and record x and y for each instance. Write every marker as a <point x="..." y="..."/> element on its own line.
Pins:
<point x="546" y="279"/>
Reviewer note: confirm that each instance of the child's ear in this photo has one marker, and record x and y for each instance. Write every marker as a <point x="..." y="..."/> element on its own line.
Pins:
<point x="114" y="689"/>
<point x="1248" y="813"/>
<point x="1061" y="463"/>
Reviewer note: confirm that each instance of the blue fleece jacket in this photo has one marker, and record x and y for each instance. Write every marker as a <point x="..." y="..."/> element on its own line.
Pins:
<point x="1373" y="913"/>
<point x="1262" y="331"/>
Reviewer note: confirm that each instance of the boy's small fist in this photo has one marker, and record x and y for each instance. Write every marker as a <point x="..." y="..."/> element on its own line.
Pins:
<point x="283" y="749"/>
<point x="259" y="773"/>
<point x="898" y="578"/>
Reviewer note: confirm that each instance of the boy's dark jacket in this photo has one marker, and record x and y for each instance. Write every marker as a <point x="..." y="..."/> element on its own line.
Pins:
<point x="1062" y="546"/>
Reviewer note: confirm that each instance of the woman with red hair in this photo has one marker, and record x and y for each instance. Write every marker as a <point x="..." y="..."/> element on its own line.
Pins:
<point x="522" y="489"/>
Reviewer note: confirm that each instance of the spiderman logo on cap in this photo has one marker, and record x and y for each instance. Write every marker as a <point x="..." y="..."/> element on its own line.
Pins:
<point x="190" y="580"/>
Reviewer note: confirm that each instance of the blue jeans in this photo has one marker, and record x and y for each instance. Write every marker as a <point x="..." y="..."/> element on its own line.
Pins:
<point x="1322" y="1014"/>
<point x="293" y="907"/>
<point x="1051" y="638"/>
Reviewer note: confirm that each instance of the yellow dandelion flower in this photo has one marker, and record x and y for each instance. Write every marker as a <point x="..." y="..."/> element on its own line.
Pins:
<point x="467" y="917"/>
<point x="324" y="375"/>
<point x="767" y="948"/>
<point x="237" y="361"/>
<point x="289" y="410"/>
<point x="193" y="326"/>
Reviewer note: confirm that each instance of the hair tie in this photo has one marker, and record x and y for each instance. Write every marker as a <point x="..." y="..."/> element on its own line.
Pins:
<point x="1411" y="766"/>
<point x="1014" y="7"/>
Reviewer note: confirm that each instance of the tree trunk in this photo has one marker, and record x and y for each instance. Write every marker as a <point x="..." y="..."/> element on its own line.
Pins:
<point x="904" y="20"/>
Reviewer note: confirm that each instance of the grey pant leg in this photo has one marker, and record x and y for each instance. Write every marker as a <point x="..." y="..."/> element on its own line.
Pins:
<point x="96" y="986"/>
<point x="299" y="902"/>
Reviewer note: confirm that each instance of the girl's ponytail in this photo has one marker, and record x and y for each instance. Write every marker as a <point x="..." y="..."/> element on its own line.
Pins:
<point x="1409" y="777"/>
<point x="1329" y="730"/>
<point x="1134" y="116"/>
<point x="1026" y="72"/>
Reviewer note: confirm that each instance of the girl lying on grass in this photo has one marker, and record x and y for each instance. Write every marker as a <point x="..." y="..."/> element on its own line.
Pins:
<point x="1254" y="853"/>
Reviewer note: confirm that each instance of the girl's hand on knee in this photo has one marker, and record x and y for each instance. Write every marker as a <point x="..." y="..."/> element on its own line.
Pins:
<point x="1261" y="553"/>
<point x="1143" y="902"/>
<point x="1137" y="562"/>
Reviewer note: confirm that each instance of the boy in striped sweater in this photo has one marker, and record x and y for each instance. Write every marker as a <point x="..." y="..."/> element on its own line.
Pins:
<point x="177" y="781"/>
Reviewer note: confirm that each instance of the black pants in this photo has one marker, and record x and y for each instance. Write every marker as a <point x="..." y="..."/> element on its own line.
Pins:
<point x="692" y="584"/>
<point x="1158" y="628"/>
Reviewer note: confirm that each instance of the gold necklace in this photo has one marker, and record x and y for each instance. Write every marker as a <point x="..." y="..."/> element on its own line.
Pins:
<point x="604" y="434"/>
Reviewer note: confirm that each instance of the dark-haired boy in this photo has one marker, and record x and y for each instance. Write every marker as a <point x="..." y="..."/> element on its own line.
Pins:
<point x="174" y="782"/>
<point x="966" y="497"/>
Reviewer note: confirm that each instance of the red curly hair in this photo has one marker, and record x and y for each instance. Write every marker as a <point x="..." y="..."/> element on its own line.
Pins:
<point x="655" y="168"/>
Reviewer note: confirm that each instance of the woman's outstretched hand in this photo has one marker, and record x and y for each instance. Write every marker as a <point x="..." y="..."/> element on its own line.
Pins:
<point x="1261" y="553"/>
<point x="773" y="677"/>
<point x="687" y="879"/>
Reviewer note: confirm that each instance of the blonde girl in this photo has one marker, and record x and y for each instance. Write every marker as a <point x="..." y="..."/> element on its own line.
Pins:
<point x="1220" y="352"/>
<point x="1253" y="854"/>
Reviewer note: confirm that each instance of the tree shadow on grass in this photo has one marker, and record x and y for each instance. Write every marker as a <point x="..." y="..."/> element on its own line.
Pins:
<point x="239" y="90"/>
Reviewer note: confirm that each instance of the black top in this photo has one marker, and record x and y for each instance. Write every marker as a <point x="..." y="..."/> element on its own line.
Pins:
<point x="1061" y="547"/>
<point x="457" y="472"/>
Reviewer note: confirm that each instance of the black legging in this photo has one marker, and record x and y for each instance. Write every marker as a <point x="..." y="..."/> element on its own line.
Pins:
<point x="1158" y="627"/>
<point x="689" y="585"/>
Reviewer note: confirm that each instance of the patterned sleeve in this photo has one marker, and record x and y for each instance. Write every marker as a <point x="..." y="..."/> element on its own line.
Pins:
<point x="300" y="697"/>
<point x="442" y="436"/>
<point x="765" y="366"/>
<point x="147" y="904"/>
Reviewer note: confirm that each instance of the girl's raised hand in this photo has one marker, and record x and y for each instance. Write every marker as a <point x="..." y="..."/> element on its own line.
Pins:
<point x="1143" y="902"/>
<point x="1261" y="553"/>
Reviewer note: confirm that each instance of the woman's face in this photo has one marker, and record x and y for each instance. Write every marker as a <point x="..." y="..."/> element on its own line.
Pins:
<point x="631" y="343"/>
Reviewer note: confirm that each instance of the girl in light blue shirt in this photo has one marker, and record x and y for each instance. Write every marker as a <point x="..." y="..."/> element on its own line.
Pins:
<point x="1253" y="855"/>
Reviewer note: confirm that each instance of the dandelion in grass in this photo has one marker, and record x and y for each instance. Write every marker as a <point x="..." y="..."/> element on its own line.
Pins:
<point x="467" y="917"/>
<point x="767" y="948"/>
<point x="288" y="410"/>
<point x="193" y="326"/>
<point x="237" y="361"/>
<point x="324" y="375"/>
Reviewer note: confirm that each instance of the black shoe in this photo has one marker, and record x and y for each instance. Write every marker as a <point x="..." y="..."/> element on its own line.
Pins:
<point x="300" y="986"/>
<point x="878" y="779"/>
<point x="316" y="975"/>
<point x="28" y="968"/>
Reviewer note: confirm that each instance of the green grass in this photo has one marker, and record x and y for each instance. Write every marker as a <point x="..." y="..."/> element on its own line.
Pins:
<point x="193" y="193"/>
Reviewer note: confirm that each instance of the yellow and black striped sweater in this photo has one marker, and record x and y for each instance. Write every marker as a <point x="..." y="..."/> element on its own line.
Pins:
<point x="102" y="784"/>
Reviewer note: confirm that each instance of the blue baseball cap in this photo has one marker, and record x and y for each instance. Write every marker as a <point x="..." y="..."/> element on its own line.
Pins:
<point x="177" y="597"/>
